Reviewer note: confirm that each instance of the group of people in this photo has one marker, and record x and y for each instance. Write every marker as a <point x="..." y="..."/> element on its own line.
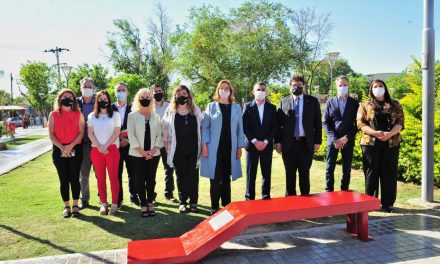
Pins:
<point x="91" y="130"/>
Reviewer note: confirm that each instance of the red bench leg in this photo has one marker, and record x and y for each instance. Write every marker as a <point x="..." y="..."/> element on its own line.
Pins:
<point x="362" y="226"/>
<point x="351" y="224"/>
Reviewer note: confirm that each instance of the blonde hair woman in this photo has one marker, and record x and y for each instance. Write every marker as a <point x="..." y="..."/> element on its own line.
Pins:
<point x="144" y="134"/>
<point x="181" y="136"/>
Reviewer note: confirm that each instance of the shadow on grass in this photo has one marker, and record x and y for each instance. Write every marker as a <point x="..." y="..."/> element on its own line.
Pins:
<point x="128" y="223"/>
<point x="49" y="243"/>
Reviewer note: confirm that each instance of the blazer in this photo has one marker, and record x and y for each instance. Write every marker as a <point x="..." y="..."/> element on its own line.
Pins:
<point x="127" y="111"/>
<point x="136" y="132"/>
<point x="311" y="122"/>
<point x="252" y="126"/>
<point x="211" y="130"/>
<point x="169" y="133"/>
<point x="337" y="125"/>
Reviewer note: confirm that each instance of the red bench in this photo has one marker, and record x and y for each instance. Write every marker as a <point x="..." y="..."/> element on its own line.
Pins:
<point x="237" y="216"/>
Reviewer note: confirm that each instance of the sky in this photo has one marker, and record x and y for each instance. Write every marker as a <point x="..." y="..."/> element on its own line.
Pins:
<point x="375" y="36"/>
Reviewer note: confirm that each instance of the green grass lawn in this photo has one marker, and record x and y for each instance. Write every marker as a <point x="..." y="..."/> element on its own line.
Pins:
<point x="31" y="224"/>
<point x="23" y="140"/>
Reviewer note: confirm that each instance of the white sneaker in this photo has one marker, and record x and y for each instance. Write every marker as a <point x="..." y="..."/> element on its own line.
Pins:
<point x="104" y="209"/>
<point x="113" y="209"/>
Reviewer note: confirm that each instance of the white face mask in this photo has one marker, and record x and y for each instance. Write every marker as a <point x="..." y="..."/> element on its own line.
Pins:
<point x="224" y="94"/>
<point x="87" y="92"/>
<point x="378" y="91"/>
<point x="342" y="90"/>
<point x="260" y="95"/>
<point x="121" y="95"/>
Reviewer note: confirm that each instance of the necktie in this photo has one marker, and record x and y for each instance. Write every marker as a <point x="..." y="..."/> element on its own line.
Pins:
<point x="296" y="132"/>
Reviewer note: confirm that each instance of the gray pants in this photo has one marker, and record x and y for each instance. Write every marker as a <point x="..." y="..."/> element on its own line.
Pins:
<point x="84" y="174"/>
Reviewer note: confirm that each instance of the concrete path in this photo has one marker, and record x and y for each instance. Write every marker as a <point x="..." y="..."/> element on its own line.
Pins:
<point x="402" y="239"/>
<point x="13" y="158"/>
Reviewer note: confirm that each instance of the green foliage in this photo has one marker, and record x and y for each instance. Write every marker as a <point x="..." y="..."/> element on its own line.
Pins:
<point x="5" y="97"/>
<point x="249" y="44"/>
<point x="133" y="81"/>
<point x="38" y="78"/>
<point x="359" y="85"/>
<point x="2" y="129"/>
<point x="321" y="76"/>
<point x="398" y="86"/>
<point x="277" y="92"/>
<point x="97" y="72"/>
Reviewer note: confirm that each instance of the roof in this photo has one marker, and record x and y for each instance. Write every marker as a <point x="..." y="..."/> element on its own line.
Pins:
<point x="11" y="107"/>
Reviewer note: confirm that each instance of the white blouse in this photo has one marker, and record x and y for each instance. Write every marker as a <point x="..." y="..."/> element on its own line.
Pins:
<point x="104" y="126"/>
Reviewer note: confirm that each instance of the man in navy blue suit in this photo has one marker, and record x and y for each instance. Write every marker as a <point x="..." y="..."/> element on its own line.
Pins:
<point x="259" y="125"/>
<point x="340" y="125"/>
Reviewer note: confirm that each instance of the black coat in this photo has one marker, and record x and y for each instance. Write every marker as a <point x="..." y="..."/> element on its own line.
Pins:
<point x="337" y="125"/>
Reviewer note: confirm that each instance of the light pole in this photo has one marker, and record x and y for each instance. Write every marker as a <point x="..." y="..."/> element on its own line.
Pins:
<point x="57" y="52"/>
<point x="66" y="70"/>
<point x="332" y="57"/>
<point x="428" y="61"/>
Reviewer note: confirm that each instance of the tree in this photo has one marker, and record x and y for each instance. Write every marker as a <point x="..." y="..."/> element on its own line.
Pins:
<point x="310" y="39"/>
<point x="322" y="74"/>
<point x="97" y="72"/>
<point x="398" y="86"/>
<point x="38" y="78"/>
<point x="359" y="85"/>
<point x="5" y="97"/>
<point x="151" y="56"/>
<point x="248" y="44"/>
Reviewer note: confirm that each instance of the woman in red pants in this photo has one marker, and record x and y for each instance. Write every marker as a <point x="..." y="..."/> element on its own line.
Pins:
<point x="104" y="126"/>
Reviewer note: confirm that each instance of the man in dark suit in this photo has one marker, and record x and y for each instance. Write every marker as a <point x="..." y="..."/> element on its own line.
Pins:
<point x="259" y="125"/>
<point x="124" y="108"/>
<point x="340" y="125"/>
<point x="299" y="135"/>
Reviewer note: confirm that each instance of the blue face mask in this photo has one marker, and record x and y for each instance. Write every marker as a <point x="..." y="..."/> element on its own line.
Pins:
<point x="121" y="95"/>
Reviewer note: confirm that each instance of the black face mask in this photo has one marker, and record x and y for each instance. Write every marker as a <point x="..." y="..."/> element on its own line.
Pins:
<point x="158" y="97"/>
<point x="182" y="100"/>
<point x="102" y="104"/>
<point x="144" y="102"/>
<point x="297" y="90"/>
<point x="67" y="102"/>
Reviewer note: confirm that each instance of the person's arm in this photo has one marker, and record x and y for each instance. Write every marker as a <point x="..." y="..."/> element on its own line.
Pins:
<point x="165" y="128"/>
<point x="398" y="124"/>
<point x="206" y="131"/>
<point x="327" y="122"/>
<point x="158" y="142"/>
<point x="117" y="130"/>
<point x="279" y="133"/>
<point x="317" y="126"/>
<point x="273" y="125"/>
<point x="247" y="125"/>
<point x="363" y="124"/>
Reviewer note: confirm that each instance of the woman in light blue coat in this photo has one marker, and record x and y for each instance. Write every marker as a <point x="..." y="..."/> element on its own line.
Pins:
<point x="222" y="140"/>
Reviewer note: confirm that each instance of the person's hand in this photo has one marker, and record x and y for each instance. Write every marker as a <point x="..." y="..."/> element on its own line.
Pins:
<point x="147" y="154"/>
<point x="260" y="145"/>
<point x="386" y="136"/>
<point x="378" y="134"/>
<point x="316" y="147"/>
<point x="103" y="149"/>
<point x="165" y="144"/>
<point x="340" y="143"/>
<point x="123" y="142"/>
<point x="238" y="153"/>
<point x="278" y="148"/>
<point x="205" y="151"/>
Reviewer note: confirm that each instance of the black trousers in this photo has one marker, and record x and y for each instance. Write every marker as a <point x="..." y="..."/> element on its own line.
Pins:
<point x="68" y="172"/>
<point x="220" y="186"/>
<point x="124" y="157"/>
<point x="380" y="166"/>
<point x="187" y="178"/>
<point x="347" y="158"/>
<point x="252" y="158"/>
<point x="297" y="158"/>
<point x="169" y="179"/>
<point x="145" y="177"/>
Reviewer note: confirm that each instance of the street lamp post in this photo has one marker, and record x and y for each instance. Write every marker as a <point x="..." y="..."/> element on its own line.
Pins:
<point x="332" y="57"/>
<point x="66" y="70"/>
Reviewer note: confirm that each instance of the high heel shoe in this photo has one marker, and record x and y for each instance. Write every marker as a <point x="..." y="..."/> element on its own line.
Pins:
<point x="67" y="212"/>
<point x="151" y="211"/>
<point x="144" y="213"/>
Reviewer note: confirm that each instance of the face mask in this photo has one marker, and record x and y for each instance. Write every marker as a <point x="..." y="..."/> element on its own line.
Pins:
<point x="67" y="102"/>
<point x="121" y="95"/>
<point x="297" y="90"/>
<point x="182" y="100"/>
<point x="158" y="97"/>
<point x="87" y="92"/>
<point x="379" y="91"/>
<point x="102" y="104"/>
<point x="342" y="90"/>
<point x="224" y="94"/>
<point x="260" y="95"/>
<point x="144" y="102"/>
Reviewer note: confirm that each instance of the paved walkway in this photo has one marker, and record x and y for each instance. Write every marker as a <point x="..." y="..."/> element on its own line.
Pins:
<point x="402" y="239"/>
<point x="13" y="158"/>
